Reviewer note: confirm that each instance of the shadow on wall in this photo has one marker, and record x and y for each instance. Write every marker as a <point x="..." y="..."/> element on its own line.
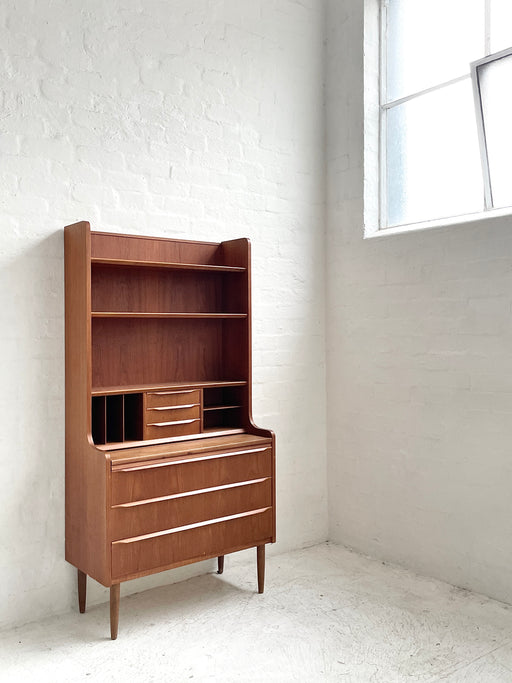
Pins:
<point x="36" y="579"/>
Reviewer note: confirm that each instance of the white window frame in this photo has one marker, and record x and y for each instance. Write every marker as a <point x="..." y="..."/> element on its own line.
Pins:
<point x="374" y="129"/>
<point x="480" y="122"/>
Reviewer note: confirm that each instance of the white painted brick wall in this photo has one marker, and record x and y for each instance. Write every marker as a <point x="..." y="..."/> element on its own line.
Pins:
<point x="419" y="334"/>
<point x="192" y="118"/>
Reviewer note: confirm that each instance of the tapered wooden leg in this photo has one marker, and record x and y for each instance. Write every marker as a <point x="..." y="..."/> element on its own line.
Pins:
<point x="114" y="609"/>
<point x="220" y="564"/>
<point x="82" y="590"/>
<point x="260" y="555"/>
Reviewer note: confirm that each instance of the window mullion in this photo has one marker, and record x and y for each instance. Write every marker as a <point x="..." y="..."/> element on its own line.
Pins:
<point x="483" y="122"/>
<point x="487" y="25"/>
<point x="383" y="115"/>
<point x="481" y="139"/>
<point x="412" y="96"/>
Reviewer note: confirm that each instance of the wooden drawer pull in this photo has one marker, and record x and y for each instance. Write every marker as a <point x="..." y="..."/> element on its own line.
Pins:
<point x="177" y="529"/>
<point x="170" y="393"/>
<point x="211" y="456"/>
<point x="178" y="407"/>
<point x="170" y="424"/>
<point x="194" y="492"/>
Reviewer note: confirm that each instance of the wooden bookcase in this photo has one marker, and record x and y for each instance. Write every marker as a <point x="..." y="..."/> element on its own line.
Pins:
<point x="164" y="465"/>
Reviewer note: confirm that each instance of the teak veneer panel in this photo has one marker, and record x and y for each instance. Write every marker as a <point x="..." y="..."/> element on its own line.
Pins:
<point x="131" y="351"/>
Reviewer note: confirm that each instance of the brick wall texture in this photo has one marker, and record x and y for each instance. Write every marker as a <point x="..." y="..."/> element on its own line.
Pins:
<point x="200" y="119"/>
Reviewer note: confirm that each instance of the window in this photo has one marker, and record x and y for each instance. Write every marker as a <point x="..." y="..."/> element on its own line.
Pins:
<point x="445" y="110"/>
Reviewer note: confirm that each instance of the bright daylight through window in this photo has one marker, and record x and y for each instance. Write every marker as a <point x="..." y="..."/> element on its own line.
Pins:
<point x="445" y="109"/>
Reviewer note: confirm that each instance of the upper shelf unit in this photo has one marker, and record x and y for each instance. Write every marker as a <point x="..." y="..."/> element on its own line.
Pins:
<point x="168" y="311"/>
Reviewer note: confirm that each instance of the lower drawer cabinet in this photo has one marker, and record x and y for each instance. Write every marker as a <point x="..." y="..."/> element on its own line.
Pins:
<point x="205" y="539"/>
<point x="135" y="519"/>
<point x="179" y="475"/>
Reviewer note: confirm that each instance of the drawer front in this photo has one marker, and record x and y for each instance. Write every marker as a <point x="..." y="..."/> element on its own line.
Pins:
<point x="135" y="519"/>
<point x="160" y="399"/>
<point x="178" y="476"/>
<point x="168" y="428"/>
<point x="171" y="414"/>
<point x="141" y="555"/>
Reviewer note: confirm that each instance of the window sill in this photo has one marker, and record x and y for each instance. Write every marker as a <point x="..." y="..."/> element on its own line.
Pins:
<point x="488" y="218"/>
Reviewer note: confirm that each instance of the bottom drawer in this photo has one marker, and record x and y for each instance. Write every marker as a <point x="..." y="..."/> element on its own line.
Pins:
<point x="207" y="539"/>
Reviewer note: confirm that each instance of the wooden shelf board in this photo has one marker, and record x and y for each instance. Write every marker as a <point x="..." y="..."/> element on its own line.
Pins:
<point x="179" y="316"/>
<point x="139" y="388"/>
<point x="209" y="408"/>
<point x="164" y="264"/>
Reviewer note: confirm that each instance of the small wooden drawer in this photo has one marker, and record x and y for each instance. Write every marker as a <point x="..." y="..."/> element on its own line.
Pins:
<point x="135" y="519"/>
<point x="169" y="428"/>
<point x="144" y="554"/>
<point x="164" y="398"/>
<point x="188" y="473"/>
<point x="171" y="414"/>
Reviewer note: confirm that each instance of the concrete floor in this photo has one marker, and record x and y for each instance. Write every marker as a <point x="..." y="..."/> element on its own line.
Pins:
<point x="327" y="615"/>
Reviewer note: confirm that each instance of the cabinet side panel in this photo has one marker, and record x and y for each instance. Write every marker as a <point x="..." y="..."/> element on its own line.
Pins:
<point x="238" y="253"/>
<point x="86" y="468"/>
<point x="236" y="338"/>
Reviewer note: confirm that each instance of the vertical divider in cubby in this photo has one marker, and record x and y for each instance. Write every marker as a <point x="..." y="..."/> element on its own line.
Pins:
<point x="99" y="419"/>
<point x="115" y="418"/>
<point x="133" y="417"/>
<point x="201" y="410"/>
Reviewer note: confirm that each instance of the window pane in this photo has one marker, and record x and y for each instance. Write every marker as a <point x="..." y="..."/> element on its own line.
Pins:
<point x="433" y="162"/>
<point x="501" y="25"/>
<point x="430" y="42"/>
<point x="495" y="79"/>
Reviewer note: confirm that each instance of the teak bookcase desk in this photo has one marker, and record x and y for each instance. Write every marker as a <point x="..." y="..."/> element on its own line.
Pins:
<point x="164" y="465"/>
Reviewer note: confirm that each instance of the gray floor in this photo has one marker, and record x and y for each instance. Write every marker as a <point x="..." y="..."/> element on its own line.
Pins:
<point x="327" y="615"/>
